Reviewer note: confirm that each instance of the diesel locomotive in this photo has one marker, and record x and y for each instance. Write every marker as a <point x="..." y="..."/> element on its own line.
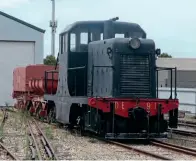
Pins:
<point x="107" y="82"/>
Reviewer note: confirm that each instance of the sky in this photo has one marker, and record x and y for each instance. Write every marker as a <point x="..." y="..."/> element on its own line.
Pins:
<point x="170" y="23"/>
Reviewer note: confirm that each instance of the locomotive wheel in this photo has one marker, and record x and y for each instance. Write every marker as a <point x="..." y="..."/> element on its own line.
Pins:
<point x="82" y="126"/>
<point x="100" y="126"/>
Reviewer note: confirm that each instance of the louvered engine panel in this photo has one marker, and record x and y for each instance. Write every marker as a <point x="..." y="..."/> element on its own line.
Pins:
<point x="135" y="75"/>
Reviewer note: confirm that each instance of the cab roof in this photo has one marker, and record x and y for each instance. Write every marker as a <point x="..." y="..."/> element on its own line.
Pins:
<point x="118" y="26"/>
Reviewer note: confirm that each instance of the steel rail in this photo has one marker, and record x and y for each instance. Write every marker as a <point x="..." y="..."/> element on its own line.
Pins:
<point x="35" y="143"/>
<point x="139" y="150"/>
<point x="45" y="142"/>
<point x="8" y="152"/>
<point x="1" y="144"/>
<point x="124" y="146"/>
<point x="183" y="132"/>
<point x="174" y="147"/>
<point x="187" y="124"/>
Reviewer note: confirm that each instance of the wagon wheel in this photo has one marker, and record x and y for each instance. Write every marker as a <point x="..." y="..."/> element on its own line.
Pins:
<point x="51" y="116"/>
<point x="29" y="111"/>
<point x="38" y="110"/>
<point x="37" y="113"/>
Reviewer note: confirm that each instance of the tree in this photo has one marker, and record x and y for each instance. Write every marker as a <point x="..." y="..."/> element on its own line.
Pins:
<point x="165" y="55"/>
<point x="50" y="60"/>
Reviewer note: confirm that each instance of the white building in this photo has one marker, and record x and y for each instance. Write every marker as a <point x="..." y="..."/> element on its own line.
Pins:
<point x="186" y="81"/>
<point x="186" y="72"/>
<point x="20" y="44"/>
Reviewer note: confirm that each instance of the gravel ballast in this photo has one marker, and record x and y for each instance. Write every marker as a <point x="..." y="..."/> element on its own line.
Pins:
<point x="69" y="146"/>
<point x="14" y="135"/>
<point x="72" y="146"/>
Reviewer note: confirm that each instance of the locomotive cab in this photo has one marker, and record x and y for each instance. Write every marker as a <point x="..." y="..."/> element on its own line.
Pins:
<point x="74" y="44"/>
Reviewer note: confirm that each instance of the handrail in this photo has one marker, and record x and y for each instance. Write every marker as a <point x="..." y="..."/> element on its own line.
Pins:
<point x="46" y="79"/>
<point x="171" y="81"/>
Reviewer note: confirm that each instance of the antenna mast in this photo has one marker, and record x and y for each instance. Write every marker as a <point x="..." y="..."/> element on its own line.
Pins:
<point x="53" y="25"/>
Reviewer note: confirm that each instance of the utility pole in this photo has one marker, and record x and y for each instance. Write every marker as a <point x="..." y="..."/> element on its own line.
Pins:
<point x="53" y="25"/>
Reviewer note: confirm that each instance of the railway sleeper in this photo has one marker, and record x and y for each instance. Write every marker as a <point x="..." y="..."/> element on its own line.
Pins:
<point x="48" y="152"/>
<point x="43" y="141"/>
<point x="33" y="153"/>
<point x="30" y="141"/>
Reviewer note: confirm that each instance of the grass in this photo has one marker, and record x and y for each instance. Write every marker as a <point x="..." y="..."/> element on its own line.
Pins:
<point x="26" y="146"/>
<point x="1" y="131"/>
<point x="2" y="126"/>
<point x="19" y="122"/>
<point x="48" y="132"/>
<point x="21" y="119"/>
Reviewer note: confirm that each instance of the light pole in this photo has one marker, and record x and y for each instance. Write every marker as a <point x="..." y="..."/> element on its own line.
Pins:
<point x="53" y="25"/>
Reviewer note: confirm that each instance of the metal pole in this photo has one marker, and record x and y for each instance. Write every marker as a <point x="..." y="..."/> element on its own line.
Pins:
<point x="175" y="82"/>
<point x="157" y="72"/>
<point x="171" y="83"/>
<point x="53" y="25"/>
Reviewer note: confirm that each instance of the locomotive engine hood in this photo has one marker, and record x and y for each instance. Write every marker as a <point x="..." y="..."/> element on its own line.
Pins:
<point x="116" y="69"/>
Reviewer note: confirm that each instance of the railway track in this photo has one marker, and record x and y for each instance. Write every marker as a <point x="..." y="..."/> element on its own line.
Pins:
<point x="154" y="143"/>
<point x="45" y="152"/>
<point x="38" y="143"/>
<point x="187" y="124"/>
<point x="139" y="150"/>
<point x="5" y="154"/>
<point x="183" y="132"/>
<point x="5" y="116"/>
<point x="173" y="147"/>
<point x="188" y="132"/>
<point x="158" y="154"/>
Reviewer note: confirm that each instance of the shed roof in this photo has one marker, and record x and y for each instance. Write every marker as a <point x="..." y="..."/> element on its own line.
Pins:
<point x="22" y="22"/>
<point x="180" y="63"/>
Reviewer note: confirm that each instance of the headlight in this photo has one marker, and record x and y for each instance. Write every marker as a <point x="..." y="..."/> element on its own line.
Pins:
<point x="134" y="43"/>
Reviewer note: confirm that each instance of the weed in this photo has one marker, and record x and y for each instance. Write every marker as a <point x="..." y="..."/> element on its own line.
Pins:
<point x="26" y="146"/>
<point x="56" y="148"/>
<point x="49" y="133"/>
<point x="16" y="147"/>
<point x="1" y="131"/>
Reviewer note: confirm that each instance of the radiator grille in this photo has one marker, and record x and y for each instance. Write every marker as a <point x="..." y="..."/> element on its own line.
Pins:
<point x="134" y="75"/>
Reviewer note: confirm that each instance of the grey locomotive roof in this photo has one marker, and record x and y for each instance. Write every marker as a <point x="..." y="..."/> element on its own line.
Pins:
<point x="180" y="63"/>
<point x="126" y="25"/>
<point x="22" y="22"/>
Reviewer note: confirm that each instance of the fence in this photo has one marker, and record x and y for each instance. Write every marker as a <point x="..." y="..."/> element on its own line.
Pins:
<point x="186" y="96"/>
